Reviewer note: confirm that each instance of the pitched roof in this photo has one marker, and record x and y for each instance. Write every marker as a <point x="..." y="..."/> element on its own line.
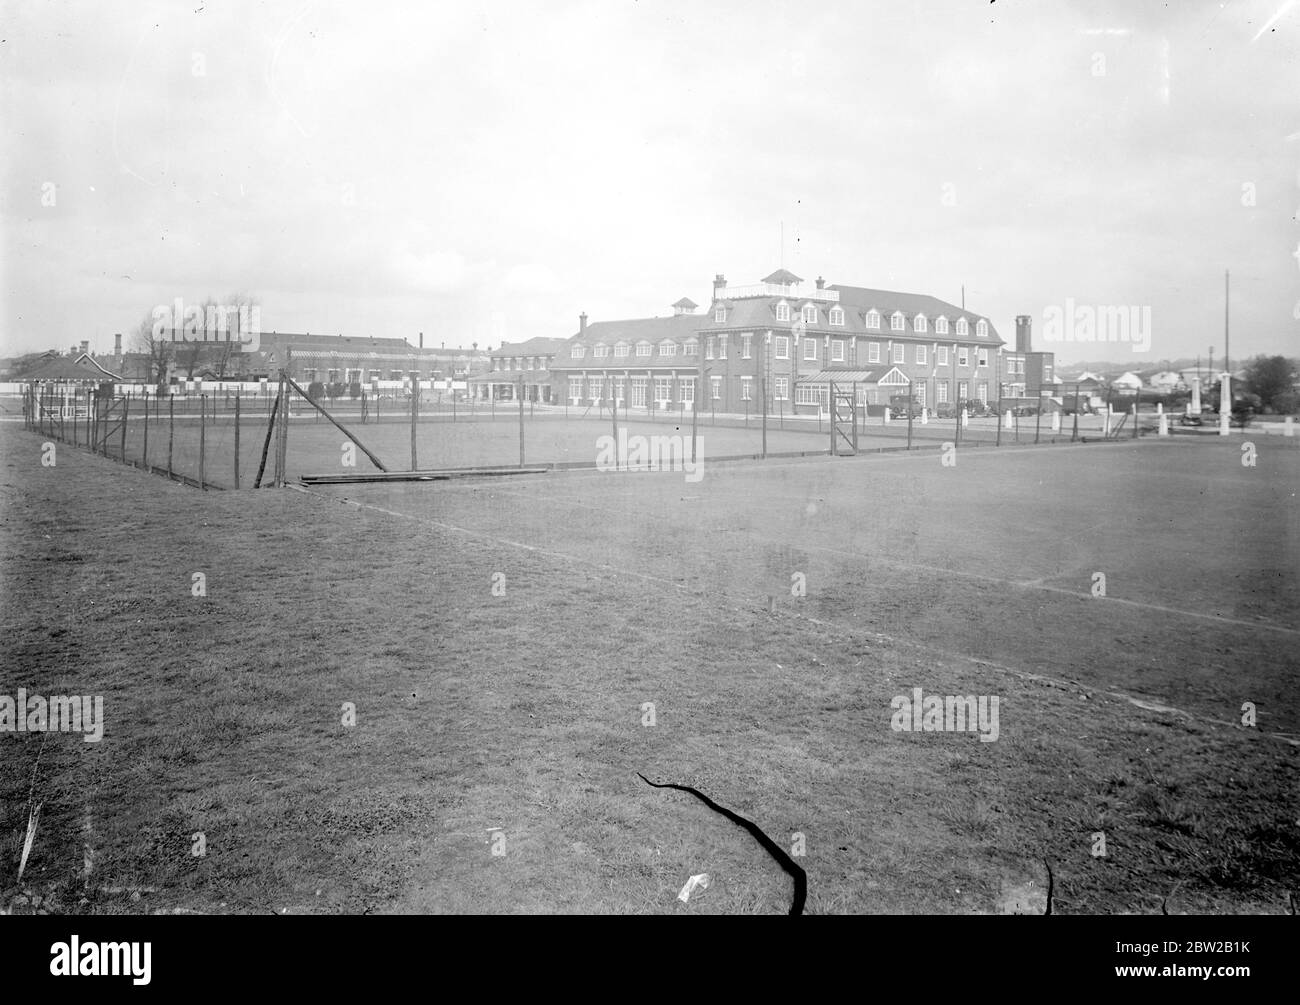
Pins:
<point x="539" y="345"/>
<point x="686" y="303"/>
<point x="911" y="304"/>
<point x="783" y="277"/>
<point x="83" y="368"/>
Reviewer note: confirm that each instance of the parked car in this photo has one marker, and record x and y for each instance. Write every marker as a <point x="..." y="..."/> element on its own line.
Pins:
<point x="898" y="407"/>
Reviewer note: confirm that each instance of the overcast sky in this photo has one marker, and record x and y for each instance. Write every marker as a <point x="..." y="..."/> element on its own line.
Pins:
<point x="488" y="173"/>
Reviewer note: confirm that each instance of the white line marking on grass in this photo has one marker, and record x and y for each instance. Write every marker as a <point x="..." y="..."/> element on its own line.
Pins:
<point x="712" y="594"/>
<point x="1020" y="584"/>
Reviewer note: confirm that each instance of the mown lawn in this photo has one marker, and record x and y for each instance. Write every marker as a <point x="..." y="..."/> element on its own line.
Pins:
<point x="524" y="712"/>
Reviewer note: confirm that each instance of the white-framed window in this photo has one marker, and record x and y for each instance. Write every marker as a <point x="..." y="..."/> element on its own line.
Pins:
<point x="900" y="352"/>
<point x="708" y="347"/>
<point x="941" y="325"/>
<point x="963" y="390"/>
<point x="618" y="388"/>
<point x="810" y="348"/>
<point x="983" y="391"/>
<point x="664" y="389"/>
<point x="745" y="384"/>
<point x="837" y="350"/>
<point x="941" y="355"/>
<point x="309" y="375"/>
<point x="962" y="327"/>
<point x="667" y="348"/>
<point x="783" y="311"/>
<point x="716" y="388"/>
<point x="963" y="357"/>
<point x="719" y="315"/>
<point x="873" y="319"/>
<point x="575" y="389"/>
<point x="600" y="350"/>
<point x="333" y="376"/>
<point x="782" y="347"/>
<point x="873" y="352"/>
<point x="620" y="350"/>
<point x="981" y="328"/>
<point x="809" y="314"/>
<point x="919" y="390"/>
<point x="687" y="386"/>
<point x="644" y="349"/>
<point x="919" y="323"/>
<point x="809" y="394"/>
<point x="722" y="346"/>
<point x="541" y="360"/>
<point x="528" y="362"/>
<point x="638" y="392"/>
<point x="837" y="316"/>
<point x="920" y="355"/>
<point x="941" y="392"/>
<point x="745" y="342"/>
<point x="594" y="388"/>
<point x="691" y="347"/>
<point x="782" y="388"/>
<point x="896" y="321"/>
<point x="577" y="352"/>
<point x="354" y="376"/>
<point x="983" y="357"/>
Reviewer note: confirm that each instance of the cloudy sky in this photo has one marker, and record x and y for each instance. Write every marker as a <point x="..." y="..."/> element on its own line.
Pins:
<point x="486" y="173"/>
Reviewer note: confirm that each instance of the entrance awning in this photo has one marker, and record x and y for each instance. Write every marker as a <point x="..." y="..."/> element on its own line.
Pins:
<point x="839" y="377"/>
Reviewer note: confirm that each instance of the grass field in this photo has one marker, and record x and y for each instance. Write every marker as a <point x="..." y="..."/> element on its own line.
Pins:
<point x="513" y="721"/>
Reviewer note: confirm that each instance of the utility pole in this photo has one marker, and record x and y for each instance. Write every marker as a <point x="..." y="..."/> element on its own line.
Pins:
<point x="1226" y="367"/>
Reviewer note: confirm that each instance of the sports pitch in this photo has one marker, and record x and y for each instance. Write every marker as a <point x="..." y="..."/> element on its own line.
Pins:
<point x="502" y="641"/>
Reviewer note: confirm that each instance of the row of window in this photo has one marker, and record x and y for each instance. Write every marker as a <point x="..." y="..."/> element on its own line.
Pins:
<point x="781" y="350"/>
<point x="519" y="363"/>
<point x="897" y="321"/>
<point x="597" y="389"/>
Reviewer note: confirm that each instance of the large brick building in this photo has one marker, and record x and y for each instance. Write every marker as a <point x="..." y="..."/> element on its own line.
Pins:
<point x="790" y="343"/>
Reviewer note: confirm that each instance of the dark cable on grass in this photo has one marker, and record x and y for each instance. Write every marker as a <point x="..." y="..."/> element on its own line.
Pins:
<point x="770" y="846"/>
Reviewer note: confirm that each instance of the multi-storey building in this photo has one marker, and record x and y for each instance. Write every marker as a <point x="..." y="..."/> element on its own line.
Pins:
<point x="644" y="363"/>
<point x="777" y="343"/>
<point x="530" y="361"/>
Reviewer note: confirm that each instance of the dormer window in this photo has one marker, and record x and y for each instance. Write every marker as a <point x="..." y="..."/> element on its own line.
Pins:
<point x="809" y="314"/>
<point x="599" y="350"/>
<point x="620" y="350"/>
<point x="962" y="327"/>
<point x="919" y="323"/>
<point x="690" y="347"/>
<point x="577" y="352"/>
<point x="719" y="314"/>
<point x="896" y="321"/>
<point x="982" y="328"/>
<point x="783" y="311"/>
<point x="667" y="348"/>
<point x="941" y="325"/>
<point x="873" y="318"/>
<point x="644" y="349"/>
<point x="837" y="316"/>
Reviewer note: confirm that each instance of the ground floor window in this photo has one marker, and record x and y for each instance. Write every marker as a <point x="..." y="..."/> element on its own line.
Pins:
<point x="745" y="383"/>
<point x="716" y="383"/>
<point x="920" y="394"/>
<point x="618" y="389"/>
<point x="687" y="389"/>
<point x="664" y="390"/>
<point x="638" y="392"/>
<point x="594" y="387"/>
<point x="963" y="389"/>
<point x="309" y="375"/>
<point x="334" y="376"/>
<point x="984" y="391"/>
<point x="575" y="389"/>
<point x="941" y="392"/>
<point x="810" y="394"/>
<point x="782" y="388"/>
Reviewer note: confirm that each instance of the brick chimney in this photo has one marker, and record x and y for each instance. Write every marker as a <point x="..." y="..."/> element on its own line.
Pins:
<point x="582" y="323"/>
<point x="421" y="340"/>
<point x="821" y="283"/>
<point x="719" y="286"/>
<point x="1023" y="325"/>
<point x="85" y="346"/>
<point x="117" y="344"/>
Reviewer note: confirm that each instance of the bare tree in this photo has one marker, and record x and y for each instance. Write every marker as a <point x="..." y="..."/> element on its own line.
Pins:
<point x="157" y="345"/>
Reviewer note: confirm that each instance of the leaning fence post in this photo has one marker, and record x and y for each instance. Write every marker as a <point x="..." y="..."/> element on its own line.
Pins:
<point x="126" y="404"/>
<point x="236" y="439"/>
